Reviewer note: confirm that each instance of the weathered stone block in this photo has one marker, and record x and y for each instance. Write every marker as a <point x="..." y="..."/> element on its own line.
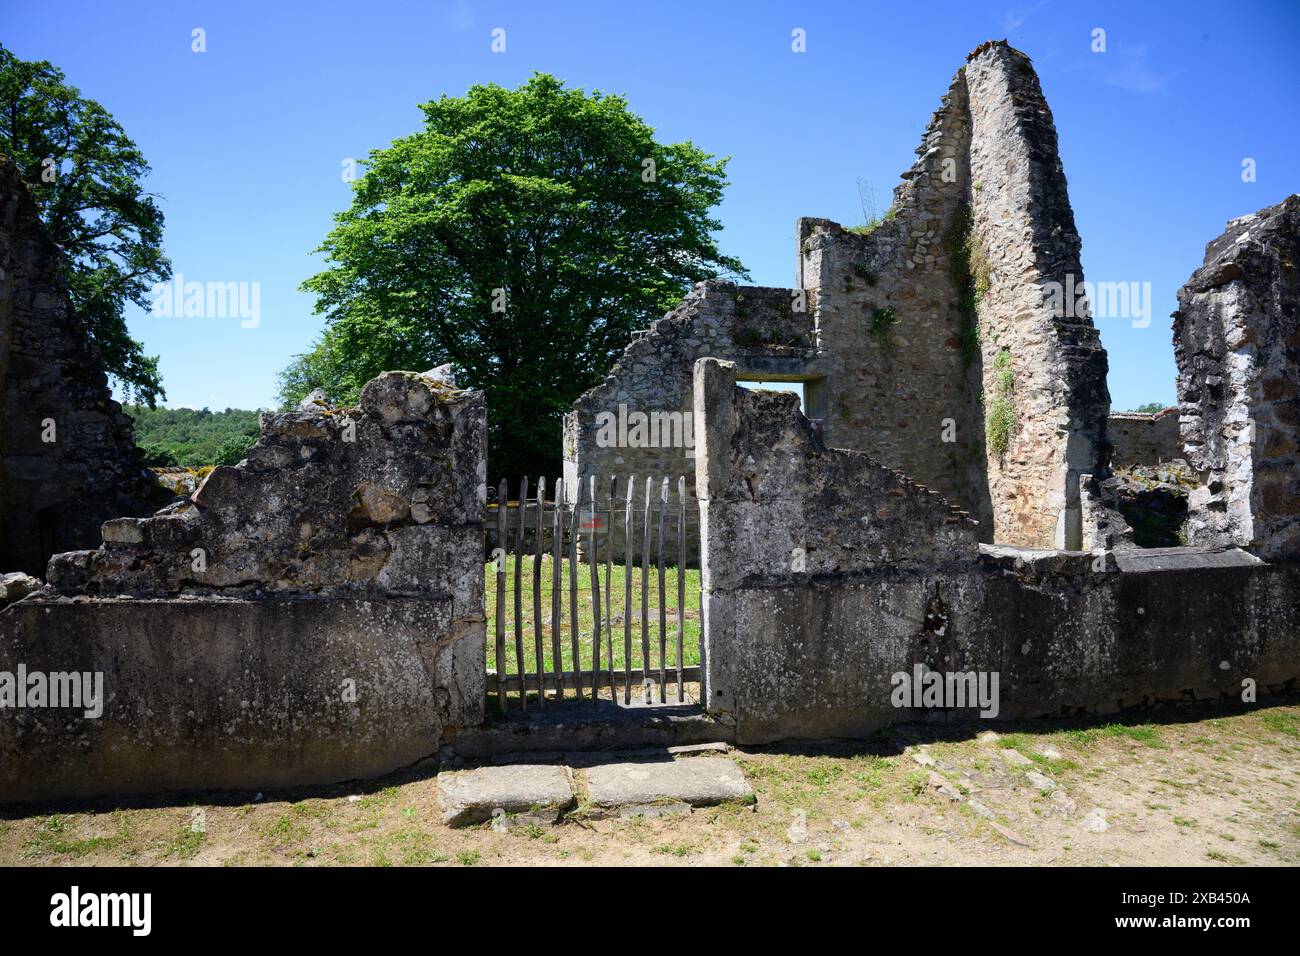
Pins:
<point x="696" y="781"/>
<point x="538" y="791"/>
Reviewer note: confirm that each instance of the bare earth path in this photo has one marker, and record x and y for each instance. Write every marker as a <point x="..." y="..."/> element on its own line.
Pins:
<point x="1202" y="786"/>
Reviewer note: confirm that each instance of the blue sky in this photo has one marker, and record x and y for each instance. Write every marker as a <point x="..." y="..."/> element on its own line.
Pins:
<point x="247" y="140"/>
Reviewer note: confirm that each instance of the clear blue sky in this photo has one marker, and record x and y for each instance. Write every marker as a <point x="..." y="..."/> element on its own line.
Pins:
<point x="247" y="140"/>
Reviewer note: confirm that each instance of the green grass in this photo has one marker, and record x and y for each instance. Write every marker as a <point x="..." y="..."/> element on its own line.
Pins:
<point x="54" y="838"/>
<point x="1282" y="721"/>
<point x="186" y="844"/>
<point x="1141" y="733"/>
<point x="586" y="616"/>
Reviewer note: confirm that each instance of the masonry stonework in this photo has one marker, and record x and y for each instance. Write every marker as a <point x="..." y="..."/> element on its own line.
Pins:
<point x="1237" y="345"/>
<point x="1138" y="438"/>
<point x="68" y="460"/>
<point x="934" y="343"/>
<point x="825" y="575"/>
<point x="313" y="614"/>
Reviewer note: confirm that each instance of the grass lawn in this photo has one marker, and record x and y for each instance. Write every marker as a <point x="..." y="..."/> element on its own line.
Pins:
<point x="586" y="622"/>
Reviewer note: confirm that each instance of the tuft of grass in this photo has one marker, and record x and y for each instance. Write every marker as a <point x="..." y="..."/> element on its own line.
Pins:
<point x="915" y="782"/>
<point x="999" y="421"/>
<point x="1282" y="721"/>
<point x="999" y="413"/>
<point x="285" y="832"/>
<point x="186" y="843"/>
<point x="469" y="857"/>
<point x="1141" y="733"/>
<point x="54" y="837"/>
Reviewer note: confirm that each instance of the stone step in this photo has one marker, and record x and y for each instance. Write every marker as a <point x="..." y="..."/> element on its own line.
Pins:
<point x="537" y="793"/>
<point x="521" y="794"/>
<point x="617" y="788"/>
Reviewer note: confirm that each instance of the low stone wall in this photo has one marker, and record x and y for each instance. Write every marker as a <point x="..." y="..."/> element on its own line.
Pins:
<point x="313" y="614"/>
<point x="886" y="577"/>
<point x="1141" y="439"/>
<point x="222" y="693"/>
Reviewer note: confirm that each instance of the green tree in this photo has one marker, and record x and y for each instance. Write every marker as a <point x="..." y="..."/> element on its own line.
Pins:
<point x="193" y="437"/>
<point x="84" y="173"/>
<point x="558" y="205"/>
<point x="1150" y="408"/>
<point x="232" y="451"/>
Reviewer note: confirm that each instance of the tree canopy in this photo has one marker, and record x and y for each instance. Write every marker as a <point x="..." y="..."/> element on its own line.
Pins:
<point x="521" y="235"/>
<point x="85" y="175"/>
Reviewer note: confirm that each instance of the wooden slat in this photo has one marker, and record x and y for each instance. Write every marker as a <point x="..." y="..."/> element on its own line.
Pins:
<point x="502" y="493"/>
<point x="519" y="594"/>
<point x="573" y="583"/>
<point x="627" y="592"/>
<point x="645" y="583"/>
<point x="609" y="563"/>
<point x="681" y="582"/>
<point x="537" y="592"/>
<point x="663" y="611"/>
<point x="595" y="599"/>
<point x="557" y="585"/>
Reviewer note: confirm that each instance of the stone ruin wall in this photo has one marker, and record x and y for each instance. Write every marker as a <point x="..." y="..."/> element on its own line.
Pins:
<point x="915" y="325"/>
<point x="310" y="615"/>
<point x="53" y="494"/>
<point x="767" y="330"/>
<point x="1237" y="346"/>
<point x="384" y="499"/>
<point x="1027" y="235"/>
<point x="825" y="574"/>
<point x="1140" y="439"/>
<point x="894" y="328"/>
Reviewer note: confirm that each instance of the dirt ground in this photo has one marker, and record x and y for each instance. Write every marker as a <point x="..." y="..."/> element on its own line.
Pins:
<point x="1198" y="786"/>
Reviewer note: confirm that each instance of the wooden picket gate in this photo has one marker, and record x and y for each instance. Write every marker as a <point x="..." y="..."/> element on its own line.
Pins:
<point x="547" y="668"/>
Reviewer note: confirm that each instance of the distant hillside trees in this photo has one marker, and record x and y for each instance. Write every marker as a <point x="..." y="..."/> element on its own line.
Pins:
<point x="193" y="437"/>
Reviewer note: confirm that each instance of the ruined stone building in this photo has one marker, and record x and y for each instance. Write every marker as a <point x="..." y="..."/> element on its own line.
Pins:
<point x="317" y="613"/>
<point x="931" y="341"/>
<point x="68" y="460"/>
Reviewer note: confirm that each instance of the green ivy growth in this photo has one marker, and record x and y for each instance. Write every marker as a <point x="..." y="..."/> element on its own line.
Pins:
<point x="999" y="414"/>
<point x="882" y="326"/>
<point x="970" y="272"/>
<point x="865" y="274"/>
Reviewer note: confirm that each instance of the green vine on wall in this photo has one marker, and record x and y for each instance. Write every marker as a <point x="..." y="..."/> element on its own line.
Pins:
<point x="882" y="326"/>
<point x="999" y="413"/>
<point x="970" y="272"/>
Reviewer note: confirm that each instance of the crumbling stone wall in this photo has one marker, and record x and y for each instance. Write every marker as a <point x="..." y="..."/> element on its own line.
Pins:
<point x="896" y="317"/>
<point x="1040" y="354"/>
<point x="68" y="460"/>
<point x="768" y="331"/>
<point x="1140" y="439"/>
<point x="314" y="613"/>
<point x="826" y="575"/>
<point x="933" y="329"/>
<point x="1237" y="346"/>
